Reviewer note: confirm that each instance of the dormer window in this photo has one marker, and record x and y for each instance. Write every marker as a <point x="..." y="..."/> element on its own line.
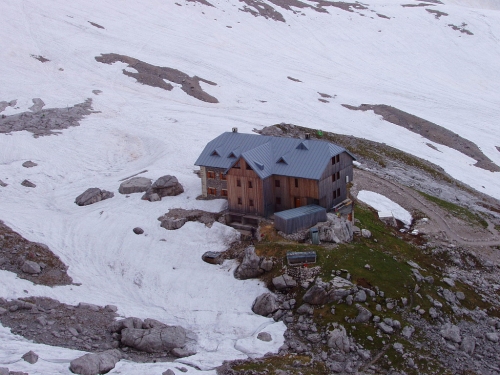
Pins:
<point x="303" y="146"/>
<point x="214" y="153"/>
<point x="232" y="155"/>
<point x="282" y="161"/>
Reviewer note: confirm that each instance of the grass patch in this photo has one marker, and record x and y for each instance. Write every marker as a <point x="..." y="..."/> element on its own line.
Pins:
<point x="292" y="364"/>
<point x="457" y="211"/>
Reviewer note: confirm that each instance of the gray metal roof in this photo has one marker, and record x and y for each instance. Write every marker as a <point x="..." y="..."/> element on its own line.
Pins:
<point x="270" y="155"/>
<point x="299" y="211"/>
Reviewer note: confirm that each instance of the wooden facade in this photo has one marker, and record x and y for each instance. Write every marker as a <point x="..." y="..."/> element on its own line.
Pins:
<point x="248" y="193"/>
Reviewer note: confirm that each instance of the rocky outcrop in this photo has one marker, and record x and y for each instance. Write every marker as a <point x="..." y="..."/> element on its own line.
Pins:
<point x="339" y="340"/>
<point x="93" y="195"/>
<point x="451" y="332"/>
<point x="154" y="339"/>
<point x="93" y="364"/>
<point x="265" y="304"/>
<point x="284" y="282"/>
<point x="252" y="265"/>
<point x="336" y="229"/>
<point x="334" y="291"/>
<point x="177" y="217"/>
<point x="31" y="267"/>
<point x="163" y="187"/>
<point x="135" y="185"/>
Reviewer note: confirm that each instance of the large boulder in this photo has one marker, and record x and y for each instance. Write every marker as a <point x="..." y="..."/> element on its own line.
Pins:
<point x="265" y="304"/>
<point x="31" y="267"/>
<point x="117" y="326"/>
<point x="165" y="186"/>
<point x="284" y="282"/>
<point x="451" y="332"/>
<point x="93" y="195"/>
<point x="338" y="340"/>
<point x="316" y="295"/>
<point x="251" y="265"/>
<point x="135" y="185"/>
<point x="93" y="364"/>
<point x="154" y="339"/>
<point x="364" y="314"/>
<point x="336" y="229"/>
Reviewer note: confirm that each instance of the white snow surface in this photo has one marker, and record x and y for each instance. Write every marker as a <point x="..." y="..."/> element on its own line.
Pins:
<point x="411" y="61"/>
<point x="385" y="206"/>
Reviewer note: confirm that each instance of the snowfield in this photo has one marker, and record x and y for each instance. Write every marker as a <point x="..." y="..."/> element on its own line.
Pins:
<point x="412" y="61"/>
<point x="385" y="206"/>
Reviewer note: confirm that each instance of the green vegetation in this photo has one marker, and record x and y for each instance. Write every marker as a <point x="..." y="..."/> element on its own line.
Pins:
<point x="292" y="364"/>
<point x="457" y="211"/>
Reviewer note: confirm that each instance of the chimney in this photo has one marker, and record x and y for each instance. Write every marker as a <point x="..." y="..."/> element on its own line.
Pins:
<point x="235" y="130"/>
<point x="308" y="135"/>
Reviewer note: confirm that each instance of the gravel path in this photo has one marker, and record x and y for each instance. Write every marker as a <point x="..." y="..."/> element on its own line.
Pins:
<point x="456" y="230"/>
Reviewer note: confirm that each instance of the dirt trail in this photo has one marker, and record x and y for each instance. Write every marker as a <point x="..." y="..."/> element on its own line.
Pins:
<point x="456" y="230"/>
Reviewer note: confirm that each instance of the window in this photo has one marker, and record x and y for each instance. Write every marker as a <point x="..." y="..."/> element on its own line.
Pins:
<point x="334" y="177"/>
<point x="338" y="193"/>
<point x="224" y="192"/>
<point x="210" y="174"/>
<point x="338" y="175"/>
<point x="250" y="184"/>
<point x="333" y="160"/>
<point x="212" y="191"/>
<point x="278" y="200"/>
<point x="238" y="182"/>
<point x="223" y="177"/>
<point x="237" y="165"/>
<point x="296" y="182"/>
<point x="249" y="167"/>
<point x="337" y="158"/>
<point x="240" y="201"/>
<point x="335" y="194"/>
<point x="277" y="183"/>
<point x="250" y="202"/>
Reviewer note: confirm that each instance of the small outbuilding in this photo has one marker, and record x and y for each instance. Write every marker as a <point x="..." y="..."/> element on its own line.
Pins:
<point x="299" y="258"/>
<point x="296" y="219"/>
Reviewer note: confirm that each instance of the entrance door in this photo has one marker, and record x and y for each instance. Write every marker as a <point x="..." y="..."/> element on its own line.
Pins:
<point x="297" y="202"/>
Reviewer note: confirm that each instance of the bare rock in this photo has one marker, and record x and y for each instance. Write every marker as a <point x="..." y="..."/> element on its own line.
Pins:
<point x="182" y="352"/>
<point x="27" y="183"/>
<point x="338" y="340"/>
<point x="89" y="306"/>
<point x="135" y="185"/>
<point x="492" y="336"/>
<point x="93" y="364"/>
<point x="119" y="325"/>
<point x="29" y="164"/>
<point x="305" y="309"/>
<point x="4" y="371"/>
<point x="31" y="267"/>
<point x="385" y="328"/>
<point x="284" y="282"/>
<point x="93" y="195"/>
<point x="138" y="230"/>
<point x="316" y="295"/>
<point x="451" y="332"/>
<point x="360" y="296"/>
<point x="265" y="304"/>
<point x="366" y="233"/>
<point x="364" y="314"/>
<point x="468" y="345"/>
<point x="165" y="186"/>
<point x="264" y="336"/>
<point x="171" y="223"/>
<point x="3" y="184"/>
<point x="37" y="106"/>
<point x="168" y="372"/>
<point x="250" y="265"/>
<point x="30" y="357"/>
<point x="154" y="339"/>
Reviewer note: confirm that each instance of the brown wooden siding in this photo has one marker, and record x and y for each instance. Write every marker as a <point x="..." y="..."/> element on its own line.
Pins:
<point x="305" y="193"/>
<point x="244" y="192"/>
